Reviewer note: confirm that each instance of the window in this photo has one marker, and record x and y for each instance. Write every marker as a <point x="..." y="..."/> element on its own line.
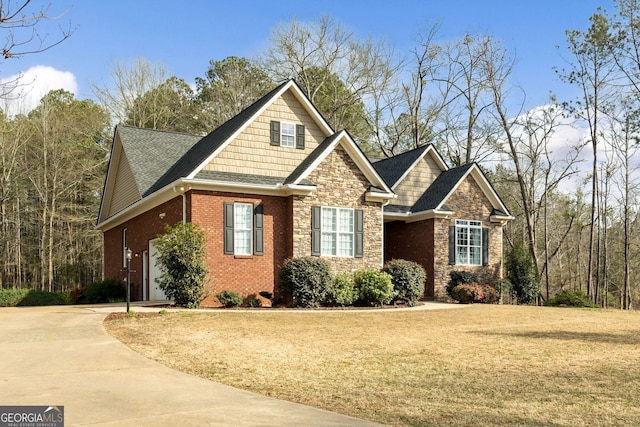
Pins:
<point x="243" y="229"/>
<point x="336" y="232"/>
<point x="468" y="242"/>
<point x="243" y="221"/>
<point x="287" y="134"/>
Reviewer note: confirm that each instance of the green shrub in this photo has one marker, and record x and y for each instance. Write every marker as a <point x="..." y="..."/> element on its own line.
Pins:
<point x="305" y="280"/>
<point x="254" y="302"/>
<point x="571" y="298"/>
<point x="181" y="258"/>
<point x="459" y="277"/>
<point x="102" y="292"/>
<point x="229" y="299"/>
<point x="11" y="297"/>
<point x="521" y="273"/>
<point x="37" y="298"/>
<point x="341" y="291"/>
<point x="374" y="287"/>
<point x="408" y="280"/>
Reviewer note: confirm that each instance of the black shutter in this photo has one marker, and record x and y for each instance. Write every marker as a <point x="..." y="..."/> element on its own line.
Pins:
<point x="258" y="230"/>
<point x="275" y="132"/>
<point x="228" y="228"/>
<point x="452" y="245"/>
<point x="315" y="231"/>
<point x="300" y="137"/>
<point x="485" y="246"/>
<point x="359" y="233"/>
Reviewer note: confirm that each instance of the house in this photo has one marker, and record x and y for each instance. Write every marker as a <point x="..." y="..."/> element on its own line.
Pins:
<point x="444" y="219"/>
<point x="276" y="181"/>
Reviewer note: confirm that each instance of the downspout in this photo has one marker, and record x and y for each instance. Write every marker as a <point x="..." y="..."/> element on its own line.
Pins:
<point x="181" y="191"/>
<point x="184" y="207"/>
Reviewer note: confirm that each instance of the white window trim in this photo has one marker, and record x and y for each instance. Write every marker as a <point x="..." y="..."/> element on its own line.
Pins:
<point x="236" y="229"/>
<point x="468" y="225"/>
<point x="337" y="232"/>
<point x="282" y="134"/>
<point x="124" y="247"/>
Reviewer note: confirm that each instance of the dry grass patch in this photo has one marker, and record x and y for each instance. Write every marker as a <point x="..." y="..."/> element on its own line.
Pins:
<point x="481" y="365"/>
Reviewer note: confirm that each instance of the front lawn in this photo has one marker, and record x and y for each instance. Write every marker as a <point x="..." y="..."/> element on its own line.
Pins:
<point x="478" y="365"/>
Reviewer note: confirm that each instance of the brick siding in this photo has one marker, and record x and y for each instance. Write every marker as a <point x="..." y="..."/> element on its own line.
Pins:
<point x="427" y="242"/>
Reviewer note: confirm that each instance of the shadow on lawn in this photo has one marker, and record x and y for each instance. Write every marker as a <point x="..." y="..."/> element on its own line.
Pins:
<point x="628" y="338"/>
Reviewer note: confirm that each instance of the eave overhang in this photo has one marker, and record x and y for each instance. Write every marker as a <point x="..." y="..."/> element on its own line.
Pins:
<point x="417" y="216"/>
<point x="183" y="185"/>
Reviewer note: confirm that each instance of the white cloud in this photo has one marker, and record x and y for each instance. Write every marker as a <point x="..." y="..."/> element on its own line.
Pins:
<point x="32" y="85"/>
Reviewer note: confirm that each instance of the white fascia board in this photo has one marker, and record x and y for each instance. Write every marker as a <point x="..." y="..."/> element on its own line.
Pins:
<point x="488" y="190"/>
<point x="362" y="162"/>
<point x="141" y="206"/>
<point x="240" y="130"/>
<point x="318" y="160"/>
<point x="183" y="185"/>
<point x="291" y="85"/>
<point x="376" y="196"/>
<point x="432" y="213"/>
<point x="501" y="218"/>
<point x="418" y="216"/>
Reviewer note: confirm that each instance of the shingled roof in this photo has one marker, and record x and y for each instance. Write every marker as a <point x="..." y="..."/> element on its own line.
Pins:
<point x="435" y="195"/>
<point x="308" y="161"/>
<point x="151" y="152"/>
<point x="393" y="168"/>
<point x="210" y="143"/>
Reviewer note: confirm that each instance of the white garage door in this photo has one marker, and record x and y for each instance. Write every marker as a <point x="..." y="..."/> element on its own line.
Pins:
<point x="155" y="293"/>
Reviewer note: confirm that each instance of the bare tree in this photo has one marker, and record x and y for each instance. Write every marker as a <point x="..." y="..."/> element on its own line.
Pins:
<point x="469" y="129"/>
<point x="323" y="57"/>
<point x="22" y="23"/>
<point x="130" y="81"/>
<point x="591" y="70"/>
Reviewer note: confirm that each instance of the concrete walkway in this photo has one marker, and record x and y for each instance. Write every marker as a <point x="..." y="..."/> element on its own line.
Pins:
<point x="61" y="355"/>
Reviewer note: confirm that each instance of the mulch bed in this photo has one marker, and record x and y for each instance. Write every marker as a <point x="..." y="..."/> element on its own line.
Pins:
<point x="134" y="314"/>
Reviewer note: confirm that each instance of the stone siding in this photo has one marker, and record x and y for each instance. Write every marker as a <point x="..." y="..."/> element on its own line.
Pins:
<point x="340" y="183"/>
<point x="427" y="242"/>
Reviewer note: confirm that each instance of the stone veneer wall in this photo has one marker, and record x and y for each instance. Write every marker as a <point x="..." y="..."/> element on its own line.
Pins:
<point x="468" y="202"/>
<point x="340" y="183"/>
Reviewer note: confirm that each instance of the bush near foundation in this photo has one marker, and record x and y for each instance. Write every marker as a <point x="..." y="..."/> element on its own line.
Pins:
<point x="342" y="291"/>
<point x="374" y="287"/>
<point x="305" y="280"/>
<point x="408" y="279"/>
<point x="181" y="259"/>
<point x="475" y="293"/>
<point x="459" y="277"/>
<point x="229" y="299"/>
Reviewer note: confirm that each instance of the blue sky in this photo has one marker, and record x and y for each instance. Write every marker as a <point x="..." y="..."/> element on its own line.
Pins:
<point x="184" y="36"/>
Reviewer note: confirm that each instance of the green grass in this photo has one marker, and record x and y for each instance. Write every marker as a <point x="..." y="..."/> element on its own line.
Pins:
<point x="479" y="365"/>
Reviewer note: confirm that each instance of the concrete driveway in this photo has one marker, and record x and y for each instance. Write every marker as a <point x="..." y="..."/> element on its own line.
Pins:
<point x="61" y="355"/>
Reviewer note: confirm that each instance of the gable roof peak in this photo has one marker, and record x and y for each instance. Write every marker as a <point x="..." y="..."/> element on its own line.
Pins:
<point x="394" y="169"/>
